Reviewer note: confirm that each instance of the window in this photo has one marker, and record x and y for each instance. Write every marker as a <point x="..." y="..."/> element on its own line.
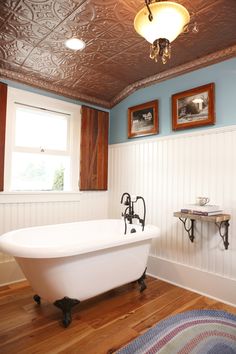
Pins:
<point x="40" y="157"/>
<point x="42" y="143"/>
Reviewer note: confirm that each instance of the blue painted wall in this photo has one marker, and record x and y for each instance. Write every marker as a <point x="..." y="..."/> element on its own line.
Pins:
<point x="48" y="94"/>
<point x="222" y="74"/>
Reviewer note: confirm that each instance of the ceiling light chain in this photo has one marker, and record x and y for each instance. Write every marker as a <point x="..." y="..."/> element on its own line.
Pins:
<point x="150" y="16"/>
<point x="148" y="2"/>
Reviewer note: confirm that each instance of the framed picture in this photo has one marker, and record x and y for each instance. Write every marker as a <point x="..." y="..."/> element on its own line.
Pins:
<point x="193" y="108"/>
<point x="143" y="119"/>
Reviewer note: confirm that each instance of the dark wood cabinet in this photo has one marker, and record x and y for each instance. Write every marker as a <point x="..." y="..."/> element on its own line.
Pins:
<point x="94" y="149"/>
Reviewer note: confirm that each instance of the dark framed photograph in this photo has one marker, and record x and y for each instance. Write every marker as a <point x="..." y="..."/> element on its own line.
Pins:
<point x="194" y="108"/>
<point x="143" y="119"/>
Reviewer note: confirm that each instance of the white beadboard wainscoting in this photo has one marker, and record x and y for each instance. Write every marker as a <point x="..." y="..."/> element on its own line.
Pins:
<point x="26" y="210"/>
<point x="170" y="172"/>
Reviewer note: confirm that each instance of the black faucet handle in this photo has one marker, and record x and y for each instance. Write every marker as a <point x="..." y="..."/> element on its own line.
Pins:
<point x="127" y="202"/>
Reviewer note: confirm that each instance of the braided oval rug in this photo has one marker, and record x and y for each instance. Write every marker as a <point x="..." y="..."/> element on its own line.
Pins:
<point x="195" y="332"/>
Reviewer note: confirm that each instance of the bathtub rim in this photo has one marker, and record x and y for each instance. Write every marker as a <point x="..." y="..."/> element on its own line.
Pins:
<point x="20" y="251"/>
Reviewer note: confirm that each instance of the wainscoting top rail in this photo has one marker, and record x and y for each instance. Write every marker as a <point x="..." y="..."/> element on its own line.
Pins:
<point x="177" y="135"/>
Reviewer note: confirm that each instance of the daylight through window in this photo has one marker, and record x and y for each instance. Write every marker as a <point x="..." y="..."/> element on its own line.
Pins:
<point x="41" y="150"/>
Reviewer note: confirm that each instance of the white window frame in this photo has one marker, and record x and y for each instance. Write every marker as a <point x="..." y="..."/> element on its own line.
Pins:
<point x="48" y="103"/>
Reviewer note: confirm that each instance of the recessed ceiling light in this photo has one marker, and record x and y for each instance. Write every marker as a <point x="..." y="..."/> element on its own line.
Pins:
<point x="75" y="44"/>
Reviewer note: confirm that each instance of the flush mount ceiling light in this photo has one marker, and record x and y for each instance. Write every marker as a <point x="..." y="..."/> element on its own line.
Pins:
<point x="75" y="44"/>
<point x="160" y="23"/>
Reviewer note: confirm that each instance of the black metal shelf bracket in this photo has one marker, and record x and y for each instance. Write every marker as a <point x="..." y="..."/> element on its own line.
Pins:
<point x="223" y="227"/>
<point x="189" y="228"/>
<point x="221" y="221"/>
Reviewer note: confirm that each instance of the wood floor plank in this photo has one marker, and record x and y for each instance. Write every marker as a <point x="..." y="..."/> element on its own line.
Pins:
<point x="171" y="305"/>
<point x="117" y="305"/>
<point x="4" y="288"/>
<point x="47" y="339"/>
<point x="220" y="306"/>
<point x="100" y="325"/>
<point x="104" y="340"/>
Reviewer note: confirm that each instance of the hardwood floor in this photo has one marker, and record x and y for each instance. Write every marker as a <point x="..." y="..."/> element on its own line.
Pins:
<point x="100" y="325"/>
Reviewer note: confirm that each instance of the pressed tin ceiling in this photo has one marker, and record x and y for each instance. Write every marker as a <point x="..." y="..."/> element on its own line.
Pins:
<point x="115" y="61"/>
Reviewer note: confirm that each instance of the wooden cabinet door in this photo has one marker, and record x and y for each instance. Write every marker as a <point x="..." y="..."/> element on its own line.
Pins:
<point x="3" y="107"/>
<point x="94" y="149"/>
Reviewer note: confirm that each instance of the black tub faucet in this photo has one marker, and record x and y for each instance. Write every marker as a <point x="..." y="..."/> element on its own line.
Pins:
<point x="129" y="213"/>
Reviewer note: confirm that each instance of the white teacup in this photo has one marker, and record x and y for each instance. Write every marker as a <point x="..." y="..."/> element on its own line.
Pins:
<point x="202" y="200"/>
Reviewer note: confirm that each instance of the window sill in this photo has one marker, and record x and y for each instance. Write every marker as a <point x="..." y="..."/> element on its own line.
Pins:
<point x="39" y="197"/>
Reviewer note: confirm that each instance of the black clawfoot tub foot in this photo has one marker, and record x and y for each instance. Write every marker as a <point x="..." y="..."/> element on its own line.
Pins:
<point x="37" y="299"/>
<point x="66" y="305"/>
<point x="141" y="282"/>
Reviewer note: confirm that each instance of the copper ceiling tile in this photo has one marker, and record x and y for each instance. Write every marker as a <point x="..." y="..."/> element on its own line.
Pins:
<point x="45" y="13"/>
<point x="115" y="60"/>
<point x="21" y="29"/>
<point x="13" y="51"/>
<point x="8" y="6"/>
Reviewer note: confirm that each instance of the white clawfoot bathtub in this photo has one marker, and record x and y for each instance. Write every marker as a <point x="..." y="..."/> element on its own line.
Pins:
<point x="79" y="260"/>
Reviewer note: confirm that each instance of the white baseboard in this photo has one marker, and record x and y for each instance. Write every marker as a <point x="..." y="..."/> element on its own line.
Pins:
<point x="204" y="283"/>
<point x="10" y="273"/>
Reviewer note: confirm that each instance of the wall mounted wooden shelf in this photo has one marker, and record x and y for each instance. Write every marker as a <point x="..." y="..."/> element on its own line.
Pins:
<point x="220" y="220"/>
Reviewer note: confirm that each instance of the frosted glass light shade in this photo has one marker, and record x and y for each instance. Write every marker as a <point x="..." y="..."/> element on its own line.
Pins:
<point x="169" y="20"/>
